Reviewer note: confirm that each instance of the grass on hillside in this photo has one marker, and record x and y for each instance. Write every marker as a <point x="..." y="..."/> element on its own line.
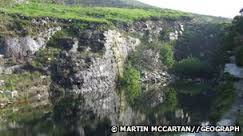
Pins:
<point x="91" y="14"/>
<point x="20" y="81"/>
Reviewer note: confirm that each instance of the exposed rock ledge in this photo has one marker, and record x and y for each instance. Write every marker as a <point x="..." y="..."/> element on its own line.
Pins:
<point x="23" y="46"/>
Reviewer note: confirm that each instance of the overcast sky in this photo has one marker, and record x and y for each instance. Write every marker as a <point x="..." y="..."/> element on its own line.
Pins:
<point x="224" y="8"/>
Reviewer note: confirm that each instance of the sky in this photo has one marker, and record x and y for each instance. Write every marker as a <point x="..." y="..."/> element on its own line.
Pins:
<point x="223" y="8"/>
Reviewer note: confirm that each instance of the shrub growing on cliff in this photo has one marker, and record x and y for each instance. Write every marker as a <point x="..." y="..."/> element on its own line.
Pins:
<point x="167" y="55"/>
<point x="131" y="82"/>
<point x="239" y="56"/>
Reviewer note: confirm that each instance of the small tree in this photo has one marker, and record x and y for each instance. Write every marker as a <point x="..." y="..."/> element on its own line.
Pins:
<point x="167" y="55"/>
<point x="131" y="81"/>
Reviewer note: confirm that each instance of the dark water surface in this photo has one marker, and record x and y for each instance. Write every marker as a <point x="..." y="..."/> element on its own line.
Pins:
<point x="193" y="105"/>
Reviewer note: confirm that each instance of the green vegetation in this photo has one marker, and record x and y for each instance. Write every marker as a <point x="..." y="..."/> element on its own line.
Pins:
<point x="232" y="39"/>
<point x="205" y="19"/>
<point x="53" y="42"/>
<point x="237" y="25"/>
<point x="20" y="81"/>
<point x="203" y="40"/>
<point x="16" y="19"/>
<point x="190" y="88"/>
<point x="108" y="3"/>
<point x="4" y="24"/>
<point x="192" y="67"/>
<point x="35" y="120"/>
<point x="13" y="24"/>
<point x="169" y="104"/>
<point x="28" y="117"/>
<point x="171" y="98"/>
<point x="143" y="57"/>
<point x="91" y="14"/>
<point x="225" y="95"/>
<point x="44" y="57"/>
<point x="199" y="52"/>
<point x="167" y="54"/>
<point x="131" y="81"/>
<point x="103" y="3"/>
<point x="67" y="105"/>
<point x="239" y="56"/>
<point x="25" y="114"/>
<point x="199" y="40"/>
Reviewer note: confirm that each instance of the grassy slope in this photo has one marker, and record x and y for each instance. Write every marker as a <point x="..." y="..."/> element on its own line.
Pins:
<point x="12" y="24"/>
<point x="103" y="3"/>
<point x="108" y="3"/>
<point x="91" y="14"/>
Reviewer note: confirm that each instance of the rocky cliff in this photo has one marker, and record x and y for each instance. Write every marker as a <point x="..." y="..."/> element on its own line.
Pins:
<point x="87" y="71"/>
<point x="92" y="74"/>
<point x="22" y="46"/>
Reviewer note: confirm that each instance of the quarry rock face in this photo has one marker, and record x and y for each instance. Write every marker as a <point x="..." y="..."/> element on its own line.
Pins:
<point x="23" y="46"/>
<point x="157" y="30"/>
<point x="154" y="31"/>
<point x="86" y="73"/>
<point x="93" y="77"/>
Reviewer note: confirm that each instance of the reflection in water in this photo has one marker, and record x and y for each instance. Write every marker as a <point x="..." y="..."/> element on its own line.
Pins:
<point x="161" y="105"/>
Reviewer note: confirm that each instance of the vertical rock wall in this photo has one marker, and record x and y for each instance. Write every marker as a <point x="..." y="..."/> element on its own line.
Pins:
<point x="93" y="73"/>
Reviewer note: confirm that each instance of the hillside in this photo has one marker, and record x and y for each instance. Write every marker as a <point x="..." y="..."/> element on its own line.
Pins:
<point x="19" y="16"/>
<point x="92" y="14"/>
<point x="99" y="3"/>
<point x="107" y="3"/>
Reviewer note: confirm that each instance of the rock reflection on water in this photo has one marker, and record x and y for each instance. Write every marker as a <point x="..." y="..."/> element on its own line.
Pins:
<point x="153" y="109"/>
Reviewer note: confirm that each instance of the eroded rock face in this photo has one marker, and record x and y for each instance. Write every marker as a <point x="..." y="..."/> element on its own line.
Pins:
<point x="23" y="46"/>
<point x="92" y="74"/>
<point x="152" y="69"/>
<point x="157" y="30"/>
<point x="84" y="77"/>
